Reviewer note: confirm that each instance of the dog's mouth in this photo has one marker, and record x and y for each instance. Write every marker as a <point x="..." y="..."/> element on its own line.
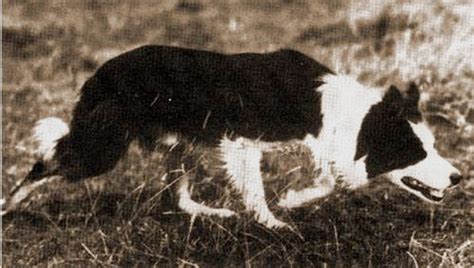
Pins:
<point x="427" y="191"/>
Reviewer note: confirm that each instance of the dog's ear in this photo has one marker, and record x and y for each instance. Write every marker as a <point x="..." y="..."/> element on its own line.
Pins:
<point x="394" y="102"/>
<point x="413" y="94"/>
<point x="393" y="96"/>
<point x="410" y="109"/>
<point x="405" y="107"/>
<point x="391" y="105"/>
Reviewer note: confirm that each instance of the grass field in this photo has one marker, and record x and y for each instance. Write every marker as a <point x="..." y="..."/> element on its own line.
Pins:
<point x="51" y="47"/>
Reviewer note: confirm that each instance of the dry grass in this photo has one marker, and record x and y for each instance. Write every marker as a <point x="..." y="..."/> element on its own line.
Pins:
<point x="50" y="47"/>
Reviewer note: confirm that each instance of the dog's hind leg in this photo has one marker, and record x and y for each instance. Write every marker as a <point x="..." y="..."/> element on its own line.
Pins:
<point x="178" y="175"/>
<point x="97" y="141"/>
<point x="242" y="162"/>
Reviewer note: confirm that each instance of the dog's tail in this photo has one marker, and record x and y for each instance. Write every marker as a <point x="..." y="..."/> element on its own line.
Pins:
<point x="46" y="133"/>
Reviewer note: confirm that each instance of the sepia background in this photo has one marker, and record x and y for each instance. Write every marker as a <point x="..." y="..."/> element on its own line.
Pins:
<point x="51" y="47"/>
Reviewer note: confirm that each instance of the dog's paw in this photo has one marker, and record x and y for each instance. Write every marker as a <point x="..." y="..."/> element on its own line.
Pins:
<point x="271" y="222"/>
<point x="276" y="224"/>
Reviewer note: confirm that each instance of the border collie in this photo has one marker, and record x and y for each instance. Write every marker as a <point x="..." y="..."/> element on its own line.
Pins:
<point x="243" y="105"/>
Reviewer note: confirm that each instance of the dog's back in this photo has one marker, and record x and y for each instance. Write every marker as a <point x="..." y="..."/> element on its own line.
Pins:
<point x="202" y="94"/>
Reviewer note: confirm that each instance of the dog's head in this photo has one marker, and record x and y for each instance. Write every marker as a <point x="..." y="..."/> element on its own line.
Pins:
<point x="396" y="142"/>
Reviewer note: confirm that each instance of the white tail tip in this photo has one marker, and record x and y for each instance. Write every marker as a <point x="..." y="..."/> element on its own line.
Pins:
<point x="47" y="132"/>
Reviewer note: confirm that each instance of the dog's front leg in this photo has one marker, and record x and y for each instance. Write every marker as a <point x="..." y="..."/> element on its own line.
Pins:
<point x="242" y="162"/>
<point x="295" y="199"/>
<point x="323" y="185"/>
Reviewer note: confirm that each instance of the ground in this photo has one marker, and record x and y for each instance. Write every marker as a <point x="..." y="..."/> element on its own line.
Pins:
<point x="51" y="47"/>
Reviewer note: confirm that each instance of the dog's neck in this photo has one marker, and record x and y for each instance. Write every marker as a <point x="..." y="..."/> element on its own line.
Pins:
<point x="344" y="104"/>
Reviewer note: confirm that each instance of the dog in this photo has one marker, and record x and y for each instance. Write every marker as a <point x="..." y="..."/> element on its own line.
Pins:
<point x="242" y="105"/>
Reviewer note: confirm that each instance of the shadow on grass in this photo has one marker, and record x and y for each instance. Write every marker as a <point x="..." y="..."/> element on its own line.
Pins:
<point x="349" y="228"/>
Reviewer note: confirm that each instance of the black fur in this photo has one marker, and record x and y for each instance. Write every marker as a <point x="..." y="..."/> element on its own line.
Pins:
<point x="199" y="95"/>
<point x="386" y="137"/>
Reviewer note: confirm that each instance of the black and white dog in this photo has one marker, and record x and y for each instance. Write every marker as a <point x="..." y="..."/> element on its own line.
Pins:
<point x="242" y="104"/>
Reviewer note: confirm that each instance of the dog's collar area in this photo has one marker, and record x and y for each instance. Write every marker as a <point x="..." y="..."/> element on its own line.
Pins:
<point x="427" y="191"/>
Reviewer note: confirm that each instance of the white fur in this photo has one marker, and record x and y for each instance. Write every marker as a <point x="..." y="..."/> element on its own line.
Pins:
<point x="47" y="132"/>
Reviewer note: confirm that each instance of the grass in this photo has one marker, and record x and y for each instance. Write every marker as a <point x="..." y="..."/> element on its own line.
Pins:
<point x="51" y="47"/>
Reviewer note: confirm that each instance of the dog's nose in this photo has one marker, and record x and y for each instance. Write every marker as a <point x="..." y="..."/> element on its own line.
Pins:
<point x="455" y="178"/>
